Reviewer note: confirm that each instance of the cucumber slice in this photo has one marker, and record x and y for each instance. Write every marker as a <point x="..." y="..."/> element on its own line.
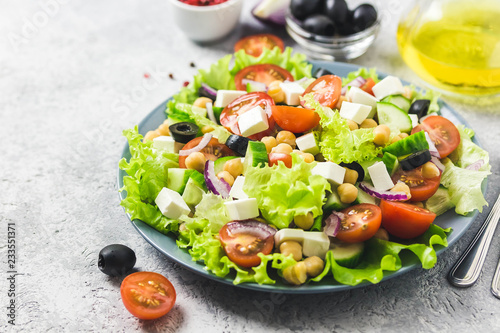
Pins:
<point x="192" y="193"/>
<point x="347" y="254"/>
<point x="178" y="178"/>
<point x="391" y="162"/>
<point x="440" y="202"/>
<point x="333" y="203"/>
<point x="399" y="100"/>
<point x="394" y="117"/>
<point x="219" y="163"/>
<point x="410" y="144"/>
<point x="198" y="179"/>
<point x="256" y="155"/>
<point x="364" y="197"/>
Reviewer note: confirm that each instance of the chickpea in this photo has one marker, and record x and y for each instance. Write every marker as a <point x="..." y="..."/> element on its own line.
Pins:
<point x="347" y="193"/>
<point x="296" y="274"/>
<point x="227" y="177"/>
<point x="418" y="204"/>
<point x="402" y="187"/>
<point x="206" y="129"/>
<point x="368" y="123"/>
<point x="352" y="125"/>
<point x="430" y="170"/>
<point x="395" y="139"/>
<point x="283" y="148"/>
<point x="308" y="157"/>
<point x="293" y="248"/>
<point x="314" y="266"/>
<point x="403" y="135"/>
<point x="234" y="167"/>
<point x="163" y="129"/>
<point x="196" y="161"/>
<point x="286" y="137"/>
<point x="201" y="102"/>
<point x="304" y="221"/>
<point x="351" y="176"/>
<point x="274" y="90"/>
<point x="382" y="134"/>
<point x="407" y="93"/>
<point x="151" y="135"/>
<point x="382" y="234"/>
<point x="270" y="143"/>
<point x="342" y="99"/>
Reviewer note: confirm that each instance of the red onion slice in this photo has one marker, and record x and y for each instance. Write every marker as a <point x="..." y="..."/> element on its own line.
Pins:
<point x="476" y="165"/>
<point x="386" y="195"/>
<point x="203" y="143"/>
<point x="432" y="148"/>
<point x="259" y="229"/>
<point x="257" y="86"/>
<point x="357" y="82"/>
<point x="210" y="112"/>
<point x="214" y="184"/>
<point x="207" y="91"/>
<point x="438" y="163"/>
<point x="332" y="224"/>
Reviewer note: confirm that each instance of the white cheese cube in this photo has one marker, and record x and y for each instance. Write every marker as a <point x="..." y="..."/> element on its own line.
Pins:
<point x="355" y="111"/>
<point x="224" y="97"/>
<point x="243" y="209"/>
<point x="287" y="234"/>
<point x="307" y="144"/>
<point x="292" y="91"/>
<point x="166" y="143"/>
<point x="237" y="188"/>
<point x="253" y="121"/>
<point x="171" y="204"/>
<point x="414" y="120"/>
<point x="357" y="95"/>
<point x="390" y="85"/>
<point x="333" y="172"/>
<point x="315" y="243"/>
<point x="380" y="176"/>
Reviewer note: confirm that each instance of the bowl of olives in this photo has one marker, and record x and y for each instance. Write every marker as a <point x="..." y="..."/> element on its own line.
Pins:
<point x="330" y="30"/>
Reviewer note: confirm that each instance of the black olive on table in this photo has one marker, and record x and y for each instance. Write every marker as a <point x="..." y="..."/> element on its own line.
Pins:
<point x="319" y="25"/>
<point x="183" y="132"/>
<point x="304" y="8"/>
<point x="363" y="17"/>
<point x="116" y="259"/>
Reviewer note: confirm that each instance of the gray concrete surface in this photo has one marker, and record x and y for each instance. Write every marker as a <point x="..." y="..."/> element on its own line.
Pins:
<point x="71" y="79"/>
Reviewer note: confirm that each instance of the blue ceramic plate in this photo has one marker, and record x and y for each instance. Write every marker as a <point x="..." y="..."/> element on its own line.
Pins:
<point x="167" y="246"/>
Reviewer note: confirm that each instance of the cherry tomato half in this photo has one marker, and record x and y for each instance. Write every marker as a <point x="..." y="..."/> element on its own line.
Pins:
<point x="420" y="188"/>
<point x="274" y="158"/>
<point x="254" y="45"/>
<point x="229" y="116"/>
<point x="405" y="220"/>
<point x="326" y="90"/>
<point x="367" y="87"/>
<point x="293" y="119"/>
<point x="265" y="73"/>
<point x="242" y="241"/>
<point x="442" y="132"/>
<point x="212" y="151"/>
<point x="360" y="223"/>
<point x="147" y="295"/>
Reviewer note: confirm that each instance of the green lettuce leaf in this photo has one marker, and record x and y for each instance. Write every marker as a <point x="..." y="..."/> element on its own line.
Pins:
<point x="147" y="172"/>
<point x="468" y="152"/>
<point x="429" y="94"/>
<point x="366" y="73"/>
<point x="211" y="208"/>
<point x="283" y="193"/>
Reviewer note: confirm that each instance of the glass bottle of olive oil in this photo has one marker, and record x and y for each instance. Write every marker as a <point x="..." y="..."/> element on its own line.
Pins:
<point x="454" y="44"/>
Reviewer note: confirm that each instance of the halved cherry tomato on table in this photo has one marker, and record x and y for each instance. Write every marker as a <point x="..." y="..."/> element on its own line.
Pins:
<point x="442" y="132"/>
<point x="254" y="45"/>
<point x="243" y="240"/>
<point x="420" y="188"/>
<point x="229" y="116"/>
<point x="326" y="90"/>
<point x="367" y="87"/>
<point x="405" y="220"/>
<point x="147" y="295"/>
<point x="360" y="223"/>
<point x="274" y="158"/>
<point x="293" y="119"/>
<point x="212" y="151"/>
<point x="265" y="73"/>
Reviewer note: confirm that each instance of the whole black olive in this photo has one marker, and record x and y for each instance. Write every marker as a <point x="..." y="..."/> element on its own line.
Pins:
<point x="363" y="17"/>
<point x="183" y="132"/>
<point x="319" y="25"/>
<point x="116" y="260"/>
<point x="303" y="8"/>
<point x="337" y="11"/>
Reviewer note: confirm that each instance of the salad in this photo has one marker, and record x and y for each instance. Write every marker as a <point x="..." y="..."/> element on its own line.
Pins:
<point x="265" y="171"/>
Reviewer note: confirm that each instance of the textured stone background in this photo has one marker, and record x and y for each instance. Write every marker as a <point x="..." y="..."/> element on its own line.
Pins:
<point x="71" y="78"/>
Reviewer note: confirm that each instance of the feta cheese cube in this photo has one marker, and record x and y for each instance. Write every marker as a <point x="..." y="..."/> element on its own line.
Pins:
<point x="237" y="188"/>
<point x="224" y="97"/>
<point x="287" y="234"/>
<point x="380" y="176"/>
<point x="242" y="209"/>
<point x="414" y="120"/>
<point x="164" y="143"/>
<point x="292" y="92"/>
<point x="355" y="111"/>
<point x="171" y="204"/>
<point x="333" y="172"/>
<point x="307" y="144"/>
<point x="315" y="243"/>
<point x="390" y="85"/>
<point x="253" y="121"/>
<point x="357" y="95"/>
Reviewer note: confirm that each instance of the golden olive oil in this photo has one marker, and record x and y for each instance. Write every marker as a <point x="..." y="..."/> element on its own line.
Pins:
<point x="456" y="46"/>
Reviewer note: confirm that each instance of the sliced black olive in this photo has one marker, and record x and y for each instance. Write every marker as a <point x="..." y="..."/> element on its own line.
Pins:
<point x="415" y="160"/>
<point x="183" y="132"/>
<point x="337" y="11"/>
<point x="319" y="25"/>
<point x="420" y="107"/>
<point x="355" y="166"/>
<point x="321" y="72"/>
<point x="116" y="259"/>
<point x="238" y="144"/>
<point x="303" y="8"/>
<point x="363" y="17"/>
